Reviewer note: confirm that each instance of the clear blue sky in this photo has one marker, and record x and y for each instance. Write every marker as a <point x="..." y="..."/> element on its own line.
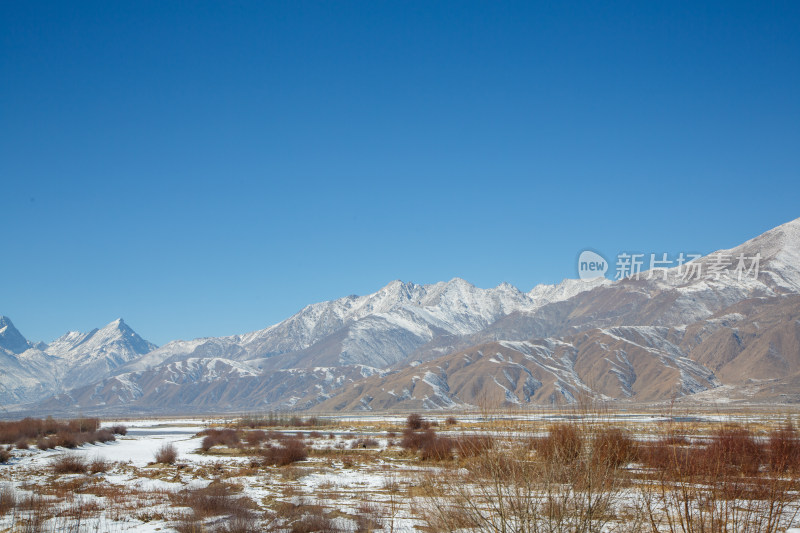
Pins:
<point x="210" y="168"/>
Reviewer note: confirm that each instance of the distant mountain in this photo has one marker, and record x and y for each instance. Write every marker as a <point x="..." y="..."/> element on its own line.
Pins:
<point x="719" y="335"/>
<point x="646" y="339"/>
<point x="33" y="371"/>
<point x="11" y="340"/>
<point x="92" y="356"/>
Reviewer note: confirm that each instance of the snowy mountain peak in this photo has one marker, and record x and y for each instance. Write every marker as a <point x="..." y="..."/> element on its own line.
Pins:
<point x="10" y="337"/>
<point x="115" y="337"/>
<point x="544" y="294"/>
<point x="460" y="283"/>
<point x="781" y="240"/>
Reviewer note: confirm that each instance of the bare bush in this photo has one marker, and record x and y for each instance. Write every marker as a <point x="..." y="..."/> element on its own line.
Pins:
<point x="473" y="445"/>
<point x="255" y="438"/>
<point x="68" y="464"/>
<point x="613" y="447"/>
<point x="415" y="422"/>
<point x="437" y="449"/>
<point x="8" y="499"/>
<point x="166" y="454"/>
<point x="214" y="500"/>
<point x="416" y="439"/>
<point x="563" y="444"/>
<point x="98" y="465"/>
<point x="219" y="437"/>
<point x="783" y="450"/>
<point x="119" y="429"/>
<point x="289" y="451"/>
<point x="364" y="442"/>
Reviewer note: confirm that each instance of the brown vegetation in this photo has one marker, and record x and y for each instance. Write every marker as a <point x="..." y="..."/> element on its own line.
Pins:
<point x="68" y="464"/>
<point x="166" y="454"/>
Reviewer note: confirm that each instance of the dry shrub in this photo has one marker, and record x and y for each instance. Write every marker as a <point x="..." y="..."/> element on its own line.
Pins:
<point x="473" y="445"/>
<point x="613" y="447"/>
<point x="119" y="429"/>
<point x="783" y="450"/>
<point x="563" y="444"/>
<point x="98" y="465"/>
<point x="166" y="454"/>
<point x="734" y="448"/>
<point x="83" y="425"/>
<point x="5" y="455"/>
<point x="190" y="524"/>
<point x="33" y="428"/>
<point x="276" y="435"/>
<point x="416" y="440"/>
<point x="214" y="500"/>
<point x="21" y="444"/>
<point x="415" y="422"/>
<point x="44" y="443"/>
<point x="8" y="499"/>
<point x="450" y="421"/>
<point x="290" y="451"/>
<point x="255" y="438"/>
<point x="312" y="518"/>
<point x="239" y="523"/>
<point x="365" y="443"/>
<point x="66" y="439"/>
<point x="37" y="510"/>
<point x="219" y="437"/>
<point x="437" y="449"/>
<point x="369" y="517"/>
<point x="105" y="435"/>
<point x="676" y="461"/>
<point x="68" y="464"/>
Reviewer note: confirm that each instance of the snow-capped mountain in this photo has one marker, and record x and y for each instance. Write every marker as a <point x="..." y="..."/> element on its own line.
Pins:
<point x="375" y="330"/>
<point x="11" y="340"/>
<point x="452" y="344"/>
<point x="32" y="371"/>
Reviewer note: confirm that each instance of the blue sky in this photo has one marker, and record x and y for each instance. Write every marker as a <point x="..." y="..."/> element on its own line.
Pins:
<point x="210" y="168"/>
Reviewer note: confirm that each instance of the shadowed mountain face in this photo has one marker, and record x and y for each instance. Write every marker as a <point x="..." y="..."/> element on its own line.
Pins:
<point x="11" y="340"/>
<point x="716" y="334"/>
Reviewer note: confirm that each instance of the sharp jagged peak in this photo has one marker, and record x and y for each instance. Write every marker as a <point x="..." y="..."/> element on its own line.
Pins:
<point x="115" y="332"/>
<point x="10" y="337"/>
<point x="117" y="325"/>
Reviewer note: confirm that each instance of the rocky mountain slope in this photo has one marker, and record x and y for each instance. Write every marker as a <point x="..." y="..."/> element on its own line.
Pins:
<point x="685" y="332"/>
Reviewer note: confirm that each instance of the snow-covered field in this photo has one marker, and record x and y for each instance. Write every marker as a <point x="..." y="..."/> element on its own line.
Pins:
<point x="345" y="486"/>
<point x="334" y="483"/>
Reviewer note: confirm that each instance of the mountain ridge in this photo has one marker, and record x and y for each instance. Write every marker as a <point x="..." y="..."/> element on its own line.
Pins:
<point x="643" y="339"/>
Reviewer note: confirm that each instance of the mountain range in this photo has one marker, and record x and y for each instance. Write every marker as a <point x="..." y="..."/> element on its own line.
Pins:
<point x="718" y="335"/>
